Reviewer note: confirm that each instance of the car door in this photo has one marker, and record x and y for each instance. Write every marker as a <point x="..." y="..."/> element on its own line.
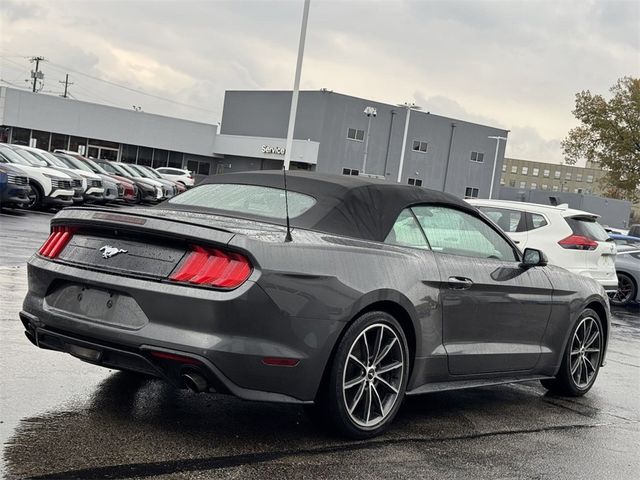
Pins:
<point x="494" y="311"/>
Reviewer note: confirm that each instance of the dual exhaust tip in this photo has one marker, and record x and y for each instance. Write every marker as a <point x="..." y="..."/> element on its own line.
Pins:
<point x="195" y="382"/>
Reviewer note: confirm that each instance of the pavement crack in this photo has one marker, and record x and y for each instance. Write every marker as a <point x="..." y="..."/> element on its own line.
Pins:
<point x="142" y="470"/>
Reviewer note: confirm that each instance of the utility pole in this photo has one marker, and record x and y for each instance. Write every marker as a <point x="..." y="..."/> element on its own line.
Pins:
<point x="296" y="86"/>
<point x="369" y="112"/>
<point x="495" y="162"/>
<point x="66" y="85"/>
<point x="409" y="107"/>
<point x="36" y="74"/>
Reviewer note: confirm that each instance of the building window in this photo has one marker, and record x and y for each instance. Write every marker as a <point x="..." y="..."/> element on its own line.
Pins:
<point x="514" y="169"/>
<point x="567" y="176"/>
<point x="160" y="158"/>
<point x="502" y="182"/>
<point x="4" y="134"/>
<point x="78" y="144"/>
<point x="415" y="181"/>
<point x="555" y="188"/>
<point x="525" y="170"/>
<point x="175" y="159"/>
<point x="201" y="168"/>
<point x="145" y="155"/>
<point x="350" y="171"/>
<point x="533" y="186"/>
<point x="355" y="134"/>
<point x="129" y="153"/>
<point x="419" y="146"/>
<point x="545" y="186"/>
<point x="545" y="173"/>
<point x="589" y="178"/>
<point x="556" y="174"/>
<point x="59" y="141"/>
<point x="470" y="192"/>
<point x="523" y="184"/>
<point x="477" y="157"/>
<point x="535" y="172"/>
<point x="577" y="190"/>
<point x="504" y="167"/>
<point x="20" y="136"/>
<point x="565" y="188"/>
<point x="512" y="183"/>
<point x="578" y="177"/>
<point x="588" y="191"/>
<point x="41" y="139"/>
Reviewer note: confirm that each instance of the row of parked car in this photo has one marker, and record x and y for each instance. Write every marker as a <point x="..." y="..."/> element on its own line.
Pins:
<point x="35" y="178"/>
<point x="573" y="239"/>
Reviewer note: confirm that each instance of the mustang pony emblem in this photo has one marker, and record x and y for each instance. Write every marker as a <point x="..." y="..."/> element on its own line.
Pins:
<point x="108" y="251"/>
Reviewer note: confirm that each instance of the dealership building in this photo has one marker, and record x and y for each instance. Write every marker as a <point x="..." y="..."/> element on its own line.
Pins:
<point x="334" y="133"/>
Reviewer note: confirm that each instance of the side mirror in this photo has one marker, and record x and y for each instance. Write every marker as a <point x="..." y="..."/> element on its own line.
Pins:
<point x="533" y="258"/>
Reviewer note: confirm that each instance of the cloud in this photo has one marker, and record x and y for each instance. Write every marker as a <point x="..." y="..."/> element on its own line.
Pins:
<point x="516" y="65"/>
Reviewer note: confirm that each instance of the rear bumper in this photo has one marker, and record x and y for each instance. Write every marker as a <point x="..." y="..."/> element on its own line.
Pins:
<point x="229" y="333"/>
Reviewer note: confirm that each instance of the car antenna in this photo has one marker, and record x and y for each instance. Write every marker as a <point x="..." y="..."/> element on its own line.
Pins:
<point x="287" y="237"/>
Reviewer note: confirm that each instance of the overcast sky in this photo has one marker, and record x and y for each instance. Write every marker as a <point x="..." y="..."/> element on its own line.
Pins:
<point x="511" y="64"/>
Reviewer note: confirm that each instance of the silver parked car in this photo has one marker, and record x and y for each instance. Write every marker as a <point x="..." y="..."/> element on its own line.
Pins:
<point x="628" y="270"/>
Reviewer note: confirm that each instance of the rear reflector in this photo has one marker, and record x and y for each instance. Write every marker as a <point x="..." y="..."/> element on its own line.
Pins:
<point x="59" y="238"/>
<point x="213" y="267"/>
<point x="578" y="242"/>
<point x="280" y="362"/>
<point x="175" y="358"/>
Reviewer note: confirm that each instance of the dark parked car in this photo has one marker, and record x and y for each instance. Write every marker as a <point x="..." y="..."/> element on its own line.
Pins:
<point x="376" y="291"/>
<point x="14" y="186"/>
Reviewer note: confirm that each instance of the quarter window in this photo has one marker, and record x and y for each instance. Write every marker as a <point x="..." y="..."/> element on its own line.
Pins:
<point x="459" y="233"/>
<point x="419" y="146"/>
<point x="477" y="157"/>
<point x="508" y="220"/>
<point x="355" y="134"/>
<point x="406" y="232"/>
<point x="537" y="221"/>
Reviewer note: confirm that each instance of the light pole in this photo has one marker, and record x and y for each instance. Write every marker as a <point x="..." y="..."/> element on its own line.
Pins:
<point x="296" y="86"/>
<point x="409" y="107"/>
<point x="369" y="112"/>
<point x="495" y="162"/>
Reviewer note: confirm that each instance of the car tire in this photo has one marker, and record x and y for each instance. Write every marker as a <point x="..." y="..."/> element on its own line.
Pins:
<point x="35" y="198"/>
<point x="626" y="293"/>
<point x="581" y="359"/>
<point x="367" y="379"/>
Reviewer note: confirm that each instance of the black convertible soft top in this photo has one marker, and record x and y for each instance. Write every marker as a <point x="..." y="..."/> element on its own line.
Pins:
<point x="352" y="206"/>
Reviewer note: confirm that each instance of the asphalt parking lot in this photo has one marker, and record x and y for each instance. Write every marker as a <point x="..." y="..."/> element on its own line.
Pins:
<point x="61" y="418"/>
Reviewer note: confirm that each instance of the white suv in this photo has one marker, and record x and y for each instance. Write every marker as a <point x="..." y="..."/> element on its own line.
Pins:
<point x="571" y="239"/>
<point x="177" y="175"/>
<point x="48" y="187"/>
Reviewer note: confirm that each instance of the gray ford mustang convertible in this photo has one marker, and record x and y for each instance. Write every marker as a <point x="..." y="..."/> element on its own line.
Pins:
<point x="364" y="293"/>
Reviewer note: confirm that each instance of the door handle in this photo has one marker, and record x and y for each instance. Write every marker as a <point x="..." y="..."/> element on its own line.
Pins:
<point x="517" y="242"/>
<point x="460" y="283"/>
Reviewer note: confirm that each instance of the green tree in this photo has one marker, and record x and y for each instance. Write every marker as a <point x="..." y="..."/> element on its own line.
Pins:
<point x="609" y="135"/>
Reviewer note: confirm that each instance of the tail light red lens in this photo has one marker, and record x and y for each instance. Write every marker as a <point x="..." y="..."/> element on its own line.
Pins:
<point x="59" y="238"/>
<point x="578" y="242"/>
<point x="213" y="267"/>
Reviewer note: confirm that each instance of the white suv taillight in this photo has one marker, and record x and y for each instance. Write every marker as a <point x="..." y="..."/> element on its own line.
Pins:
<point x="578" y="242"/>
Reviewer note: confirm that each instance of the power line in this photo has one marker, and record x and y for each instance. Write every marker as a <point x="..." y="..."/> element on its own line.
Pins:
<point x="109" y="82"/>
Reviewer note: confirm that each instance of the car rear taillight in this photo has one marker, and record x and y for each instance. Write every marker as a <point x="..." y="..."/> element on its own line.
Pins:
<point x="578" y="242"/>
<point x="59" y="238"/>
<point x="213" y="267"/>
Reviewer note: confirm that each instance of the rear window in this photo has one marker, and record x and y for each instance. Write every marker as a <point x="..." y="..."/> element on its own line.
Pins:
<point x="253" y="200"/>
<point x="588" y="228"/>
